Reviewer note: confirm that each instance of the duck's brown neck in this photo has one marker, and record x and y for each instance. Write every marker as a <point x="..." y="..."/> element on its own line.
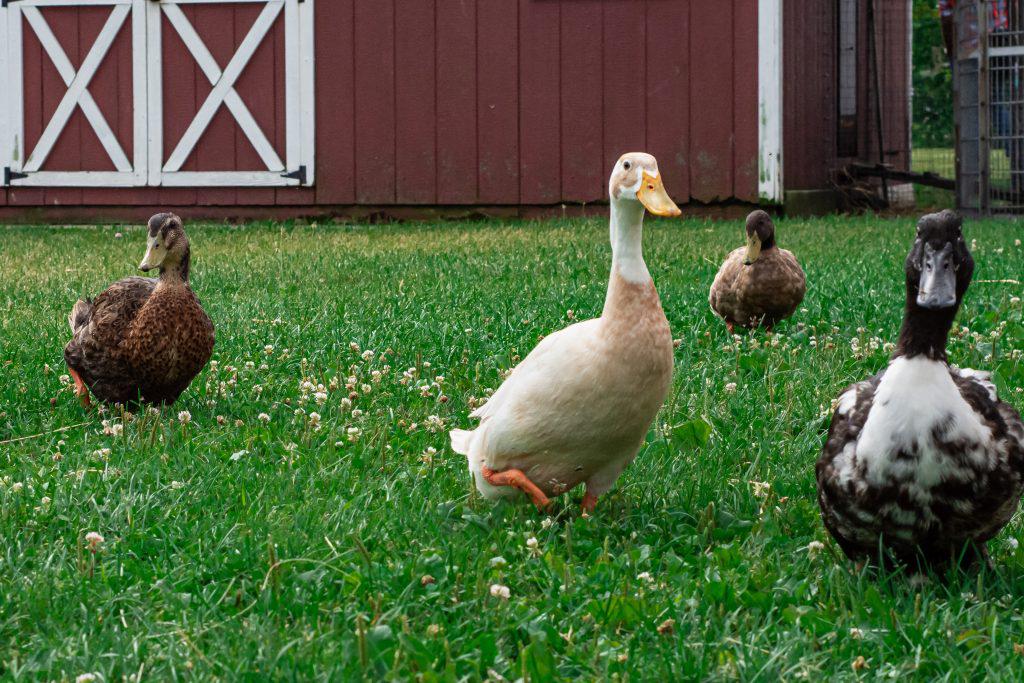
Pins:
<point x="176" y="274"/>
<point x="629" y="284"/>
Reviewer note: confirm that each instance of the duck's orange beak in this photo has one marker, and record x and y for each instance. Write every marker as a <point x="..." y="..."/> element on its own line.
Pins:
<point x="655" y="199"/>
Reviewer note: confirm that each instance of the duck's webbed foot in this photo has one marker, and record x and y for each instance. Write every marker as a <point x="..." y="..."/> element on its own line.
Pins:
<point x="588" y="504"/>
<point x="731" y="327"/>
<point x="516" y="479"/>
<point x="81" y="390"/>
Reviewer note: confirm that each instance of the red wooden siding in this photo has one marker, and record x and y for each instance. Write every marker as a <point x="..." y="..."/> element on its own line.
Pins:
<point x="480" y="102"/>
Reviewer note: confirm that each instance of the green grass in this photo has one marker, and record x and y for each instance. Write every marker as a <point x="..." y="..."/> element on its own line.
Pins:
<point x="276" y="550"/>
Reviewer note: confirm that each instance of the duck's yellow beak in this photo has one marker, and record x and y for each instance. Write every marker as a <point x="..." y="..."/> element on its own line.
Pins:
<point x="753" y="249"/>
<point x="654" y="198"/>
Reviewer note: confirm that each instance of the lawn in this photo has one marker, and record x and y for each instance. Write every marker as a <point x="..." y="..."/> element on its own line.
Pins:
<point x="246" y="538"/>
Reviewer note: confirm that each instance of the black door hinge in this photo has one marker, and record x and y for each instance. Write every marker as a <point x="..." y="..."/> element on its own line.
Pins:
<point x="299" y="175"/>
<point x="10" y="175"/>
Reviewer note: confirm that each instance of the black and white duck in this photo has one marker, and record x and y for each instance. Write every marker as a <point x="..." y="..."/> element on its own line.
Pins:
<point x="923" y="459"/>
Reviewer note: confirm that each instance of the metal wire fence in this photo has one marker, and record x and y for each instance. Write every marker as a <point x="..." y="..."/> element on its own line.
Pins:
<point x="989" y="68"/>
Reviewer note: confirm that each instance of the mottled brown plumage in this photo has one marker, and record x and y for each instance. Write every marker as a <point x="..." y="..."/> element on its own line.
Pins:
<point x="759" y="284"/>
<point x="143" y="338"/>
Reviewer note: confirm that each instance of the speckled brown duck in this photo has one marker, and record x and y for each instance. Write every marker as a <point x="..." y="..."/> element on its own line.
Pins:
<point x="143" y="338"/>
<point x="759" y="284"/>
<point x="923" y="460"/>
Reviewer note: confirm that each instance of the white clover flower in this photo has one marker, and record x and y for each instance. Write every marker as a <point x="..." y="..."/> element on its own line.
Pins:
<point x="546" y="523"/>
<point x="1013" y="543"/>
<point x="533" y="546"/>
<point x="1014" y="300"/>
<point x="730" y="388"/>
<point x="101" y="453"/>
<point x="500" y="591"/>
<point x="346" y="403"/>
<point x="856" y="633"/>
<point x="95" y="540"/>
<point x="87" y="678"/>
<point x="368" y="355"/>
<point x="268" y="349"/>
<point x="498" y="562"/>
<point x="238" y="455"/>
<point x="177" y="485"/>
<point x="354" y="347"/>
<point x="645" y="576"/>
<point x="314" y="421"/>
<point x="45" y="500"/>
<point x="354" y="433"/>
<point x="434" y="423"/>
<point x="760" y="488"/>
<point x="320" y="398"/>
<point x="365" y="388"/>
<point x="814" y="548"/>
<point x="65" y="379"/>
<point x="16" y="487"/>
<point x="184" y="417"/>
<point x="264" y="418"/>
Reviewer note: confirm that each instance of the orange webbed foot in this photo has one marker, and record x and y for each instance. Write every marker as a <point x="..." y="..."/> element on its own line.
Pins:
<point x="81" y="390"/>
<point x="588" y="504"/>
<point x="516" y="479"/>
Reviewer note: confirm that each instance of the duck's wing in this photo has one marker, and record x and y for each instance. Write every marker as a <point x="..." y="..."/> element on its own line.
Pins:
<point x="724" y="296"/>
<point x="99" y="327"/>
<point x="999" y="498"/>
<point x="838" y="470"/>
<point x="557" y="380"/>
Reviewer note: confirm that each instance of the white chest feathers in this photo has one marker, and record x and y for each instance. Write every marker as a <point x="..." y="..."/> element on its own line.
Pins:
<point x="920" y="430"/>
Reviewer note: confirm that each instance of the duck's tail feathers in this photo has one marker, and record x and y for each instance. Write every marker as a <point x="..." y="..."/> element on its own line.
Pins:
<point x="461" y="440"/>
<point x="80" y="315"/>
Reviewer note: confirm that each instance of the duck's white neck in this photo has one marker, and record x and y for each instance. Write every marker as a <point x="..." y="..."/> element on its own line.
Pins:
<point x="627" y="227"/>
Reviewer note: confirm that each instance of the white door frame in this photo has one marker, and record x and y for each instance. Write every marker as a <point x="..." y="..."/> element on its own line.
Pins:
<point x="770" y="110"/>
<point x="297" y="167"/>
<point x="22" y="166"/>
<point x="150" y="163"/>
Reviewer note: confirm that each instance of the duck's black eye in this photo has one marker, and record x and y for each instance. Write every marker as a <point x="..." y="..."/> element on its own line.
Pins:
<point x="626" y="165"/>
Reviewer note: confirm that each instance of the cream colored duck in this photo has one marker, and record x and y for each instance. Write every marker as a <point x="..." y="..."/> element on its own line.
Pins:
<point x="577" y="408"/>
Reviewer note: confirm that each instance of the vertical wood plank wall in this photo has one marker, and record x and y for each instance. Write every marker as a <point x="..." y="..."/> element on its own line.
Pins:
<point x="479" y="102"/>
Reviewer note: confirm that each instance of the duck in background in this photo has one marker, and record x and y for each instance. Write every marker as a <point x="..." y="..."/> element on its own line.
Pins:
<point x="759" y="284"/>
<point x="923" y="458"/>
<point x="578" y="407"/>
<point x="143" y="338"/>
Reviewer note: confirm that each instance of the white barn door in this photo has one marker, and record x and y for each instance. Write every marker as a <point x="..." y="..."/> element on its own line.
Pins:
<point x="152" y="157"/>
<point x="24" y="164"/>
<point x="167" y="157"/>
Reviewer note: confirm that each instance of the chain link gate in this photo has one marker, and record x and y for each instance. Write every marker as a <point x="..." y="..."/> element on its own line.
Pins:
<point x="989" y="97"/>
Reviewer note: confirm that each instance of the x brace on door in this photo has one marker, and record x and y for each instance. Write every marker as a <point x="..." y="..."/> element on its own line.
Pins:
<point x="24" y="166"/>
<point x="148" y="163"/>
<point x="296" y="169"/>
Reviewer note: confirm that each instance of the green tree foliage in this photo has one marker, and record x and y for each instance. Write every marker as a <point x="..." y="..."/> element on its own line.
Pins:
<point x="932" y="80"/>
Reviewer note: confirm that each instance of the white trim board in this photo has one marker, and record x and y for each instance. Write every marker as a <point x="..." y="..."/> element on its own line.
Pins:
<point x="770" y="110"/>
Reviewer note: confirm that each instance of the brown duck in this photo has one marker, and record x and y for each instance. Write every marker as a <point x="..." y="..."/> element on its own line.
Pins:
<point x="759" y="284"/>
<point x="143" y="338"/>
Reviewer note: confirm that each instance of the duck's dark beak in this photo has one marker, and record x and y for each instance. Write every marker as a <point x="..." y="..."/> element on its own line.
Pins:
<point x="937" y="287"/>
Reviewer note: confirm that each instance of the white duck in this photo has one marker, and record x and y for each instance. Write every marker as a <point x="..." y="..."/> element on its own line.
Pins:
<point x="578" y="407"/>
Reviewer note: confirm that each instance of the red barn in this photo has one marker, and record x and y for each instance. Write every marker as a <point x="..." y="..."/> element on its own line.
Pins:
<point x="270" y="108"/>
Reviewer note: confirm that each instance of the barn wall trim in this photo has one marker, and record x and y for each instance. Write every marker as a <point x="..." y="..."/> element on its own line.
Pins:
<point x="769" y="100"/>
